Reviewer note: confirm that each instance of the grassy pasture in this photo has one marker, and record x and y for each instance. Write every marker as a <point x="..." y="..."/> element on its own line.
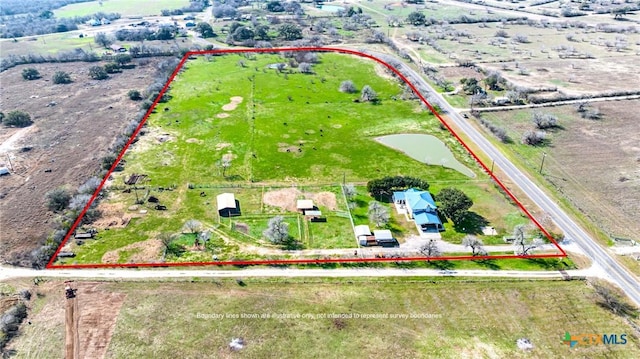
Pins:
<point x="451" y="319"/>
<point x="123" y="7"/>
<point x="278" y="129"/>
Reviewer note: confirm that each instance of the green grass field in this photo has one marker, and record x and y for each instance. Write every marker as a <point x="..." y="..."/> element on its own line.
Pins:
<point x="276" y="130"/>
<point x="123" y="7"/>
<point x="399" y="318"/>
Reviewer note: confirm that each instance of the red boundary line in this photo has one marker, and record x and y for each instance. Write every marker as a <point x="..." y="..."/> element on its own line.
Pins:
<point x="50" y="265"/>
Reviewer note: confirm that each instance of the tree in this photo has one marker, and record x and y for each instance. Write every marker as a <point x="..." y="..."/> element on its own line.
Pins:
<point x="524" y="246"/>
<point x="477" y="247"/>
<point x="90" y="186"/>
<point x="79" y="201"/>
<point x="98" y="73"/>
<point x="205" y="30"/>
<point x="454" y="204"/>
<point x="111" y="68"/>
<point x="122" y="59"/>
<point x="493" y="81"/>
<point x="225" y="163"/>
<point x="242" y="33"/>
<point x="367" y="94"/>
<point x="277" y="230"/>
<point x="470" y="86"/>
<point x="533" y="138"/>
<point x="349" y="190"/>
<point x="384" y="187"/>
<point x="290" y="32"/>
<point x="416" y="18"/>
<point x="275" y="6"/>
<point x="61" y="77"/>
<point x="430" y="249"/>
<point x="262" y="33"/>
<point x="378" y="214"/>
<point x="305" y="68"/>
<point x="544" y="120"/>
<point x="166" y="239"/>
<point x="17" y="118"/>
<point x="616" y="304"/>
<point x="30" y="74"/>
<point x="58" y="199"/>
<point x="134" y="95"/>
<point x="1" y="116"/>
<point x="192" y="226"/>
<point x="102" y="39"/>
<point x="501" y="33"/>
<point x="348" y="87"/>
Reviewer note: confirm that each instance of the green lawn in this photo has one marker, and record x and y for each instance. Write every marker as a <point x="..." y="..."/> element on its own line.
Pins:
<point x="398" y="318"/>
<point x="123" y="7"/>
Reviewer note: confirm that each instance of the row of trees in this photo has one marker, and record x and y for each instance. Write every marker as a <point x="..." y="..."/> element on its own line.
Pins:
<point x="45" y="23"/>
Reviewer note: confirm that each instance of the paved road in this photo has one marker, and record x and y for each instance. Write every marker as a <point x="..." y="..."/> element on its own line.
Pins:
<point x="617" y="273"/>
<point x="10" y="272"/>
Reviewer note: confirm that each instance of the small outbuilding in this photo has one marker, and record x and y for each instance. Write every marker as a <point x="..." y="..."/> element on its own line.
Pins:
<point x="384" y="238"/>
<point x="228" y="205"/>
<point x="305" y="205"/>
<point x="4" y="171"/>
<point x="118" y="48"/>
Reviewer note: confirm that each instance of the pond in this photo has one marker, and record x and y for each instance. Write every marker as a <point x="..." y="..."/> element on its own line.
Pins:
<point x="426" y="149"/>
<point x="331" y="8"/>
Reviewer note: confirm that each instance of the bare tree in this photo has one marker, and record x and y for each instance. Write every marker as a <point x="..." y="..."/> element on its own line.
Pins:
<point x="524" y="246"/>
<point x="378" y="214"/>
<point x="533" y="138"/>
<point x="192" y="226"/>
<point x="167" y="240"/>
<point x="367" y="94"/>
<point x="277" y="231"/>
<point x="430" y="249"/>
<point x="477" y="247"/>
<point x="349" y="190"/>
<point x="347" y="86"/>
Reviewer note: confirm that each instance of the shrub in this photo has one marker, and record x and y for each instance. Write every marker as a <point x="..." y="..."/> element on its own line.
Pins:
<point x="533" y="138"/>
<point x="61" y="77"/>
<point x="30" y="74"/>
<point x="134" y="95"/>
<point x="17" y="118"/>
<point x="348" y="87"/>
<point x="544" y="120"/>
<point x="368" y="94"/>
<point x="58" y="199"/>
<point x="98" y="73"/>
<point x="111" y="68"/>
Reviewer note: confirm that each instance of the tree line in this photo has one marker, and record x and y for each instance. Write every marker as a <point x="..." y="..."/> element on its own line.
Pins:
<point x="45" y="23"/>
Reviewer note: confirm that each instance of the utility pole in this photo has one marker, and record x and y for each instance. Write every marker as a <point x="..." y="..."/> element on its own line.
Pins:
<point x="72" y="338"/>
<point x="493" y="162"/>
<point x="544" y="154"/>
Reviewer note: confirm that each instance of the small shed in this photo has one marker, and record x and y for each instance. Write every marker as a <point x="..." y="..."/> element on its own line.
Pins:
<point x="362" y="230"/>
<point x="4" y="171"/>
<point x="228" y="205"/>
<point x="305" y="205"/>
<point x="312" y="213"/>
<point x="384" y="237"/>
<point x="118" y="48"/>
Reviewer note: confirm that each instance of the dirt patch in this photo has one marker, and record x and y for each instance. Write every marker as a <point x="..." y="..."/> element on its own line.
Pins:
<point x="284" y="198"/>
<point x="235" y="101"/>
<point x="113" y="216"/>
<point x="222" y="115"/>
<point x="165" y="137"/>
<point x="285" y="147"/>
<point x="63" y="140"/>
<point x="325" y="199"/>
<point x="143" y="252"/>
<point x="222" y="145"/>
<point x="193" y="140"/>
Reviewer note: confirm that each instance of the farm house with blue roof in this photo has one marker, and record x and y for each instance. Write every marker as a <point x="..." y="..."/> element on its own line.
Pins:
<point x="420" y="207"/>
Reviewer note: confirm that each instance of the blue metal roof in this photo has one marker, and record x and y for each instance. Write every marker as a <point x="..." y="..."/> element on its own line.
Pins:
<point x="420" y="200"/>
<point x="398" y="196"/>
<point x="426" y="218"/>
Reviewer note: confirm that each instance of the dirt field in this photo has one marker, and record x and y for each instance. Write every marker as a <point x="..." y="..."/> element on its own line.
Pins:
<point x="99" y="310"/>
<point x="68" y="138"/>
<point x="596" y="164"/>
<point x="285" y="198"/>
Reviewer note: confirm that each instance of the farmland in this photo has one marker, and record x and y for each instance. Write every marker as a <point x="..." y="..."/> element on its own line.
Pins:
<point x="123" y="7"/>
<point x="61" y="140"/>
<point x="466" y="322"/>
<point x="235" y="124"/>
